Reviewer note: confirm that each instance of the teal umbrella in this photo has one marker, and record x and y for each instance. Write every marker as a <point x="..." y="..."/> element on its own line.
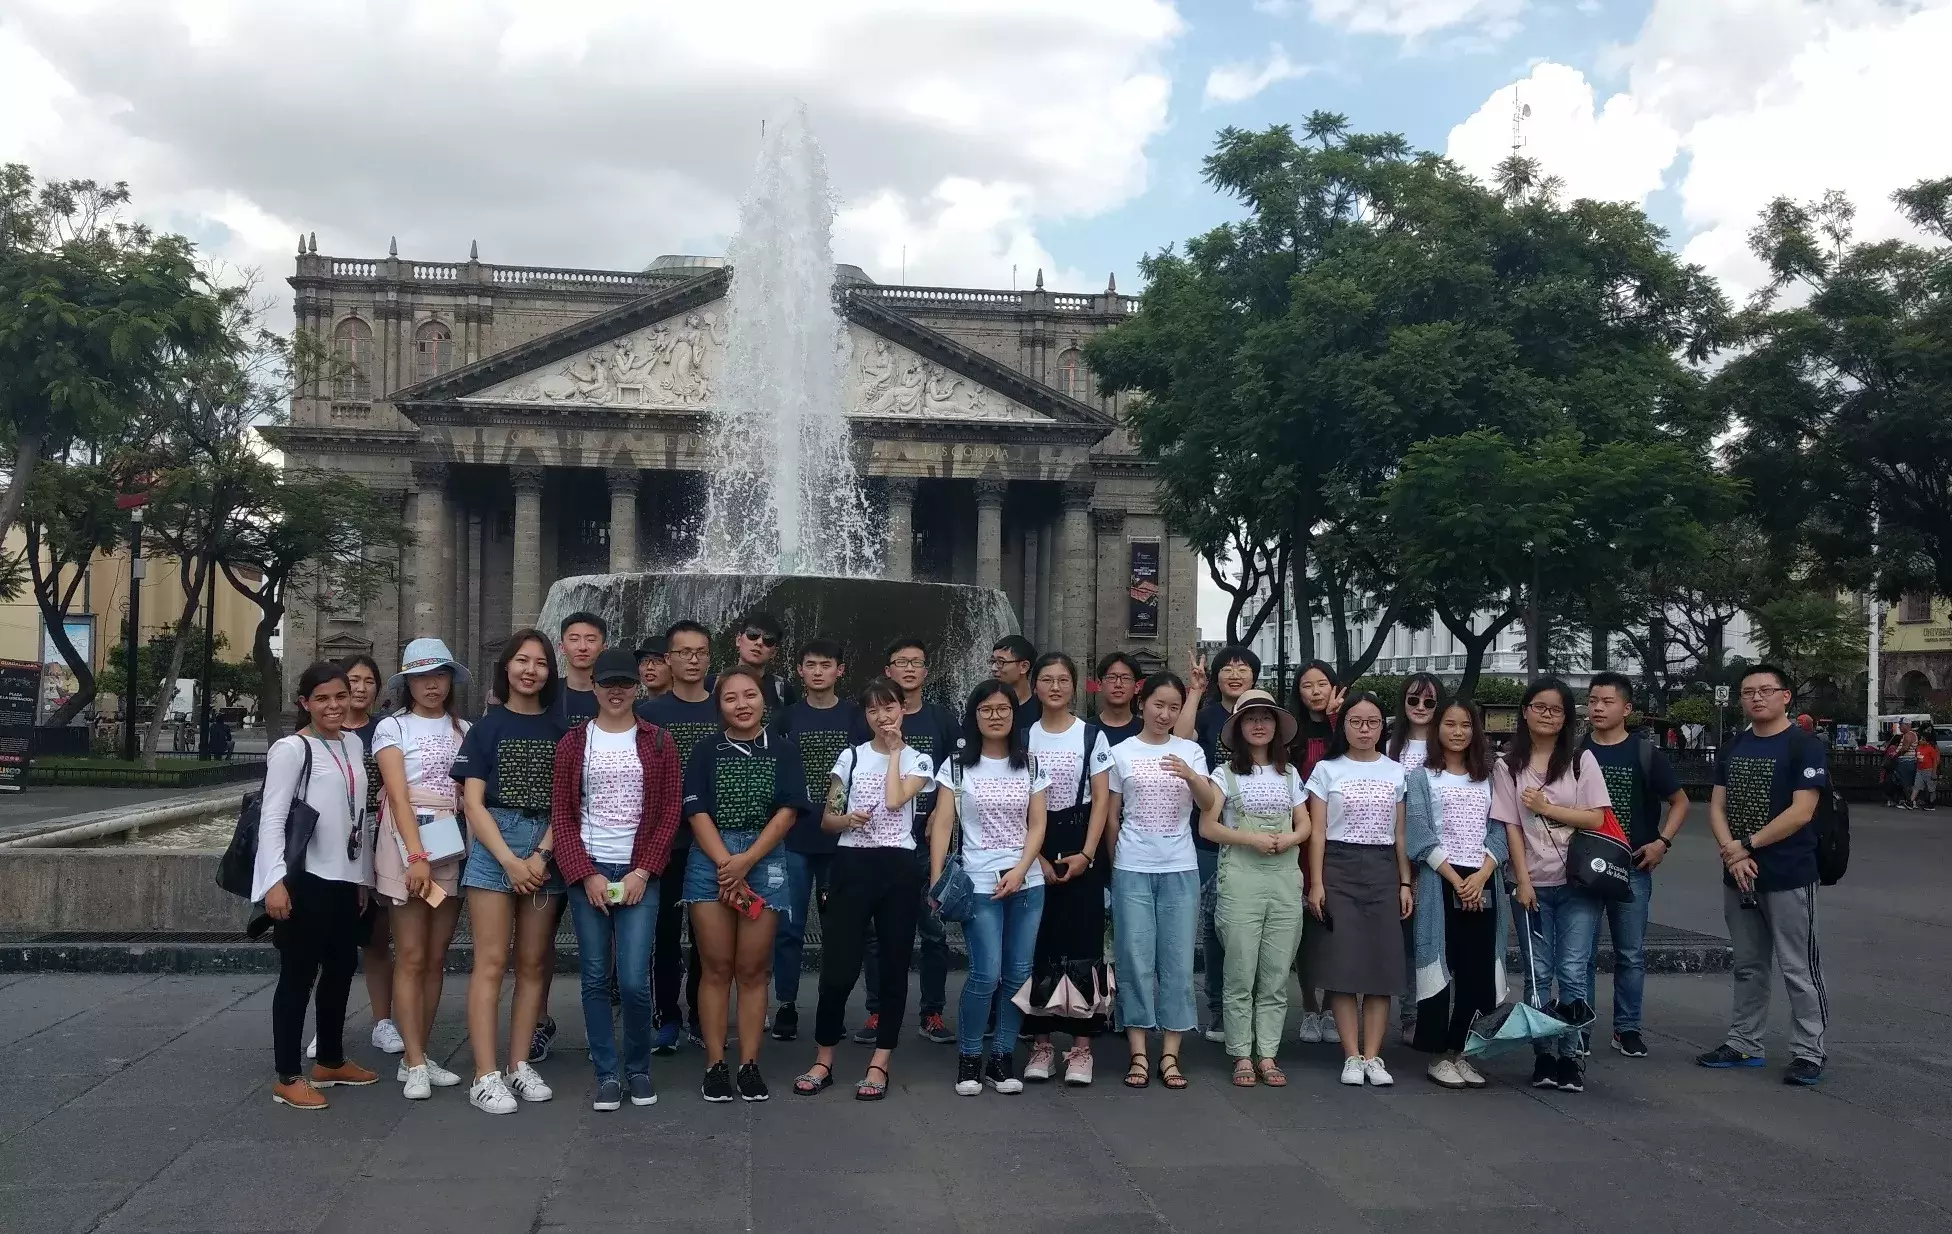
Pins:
<point x="1529" y="1022"/>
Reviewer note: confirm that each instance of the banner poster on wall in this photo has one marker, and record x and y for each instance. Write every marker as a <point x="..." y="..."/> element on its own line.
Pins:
<point x="20" y="692"/>
<point x="1144" y="617"/>
<point x="58" y="681"/>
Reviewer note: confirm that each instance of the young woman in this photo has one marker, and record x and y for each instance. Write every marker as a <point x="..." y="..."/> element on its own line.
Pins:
<point x="874" y="880"/>
<point x="415" y="751"/>
<point x="1542" y="790"/>
<point x="315" y="910"/>
<point x="1412" y="734"/>
<point x="1258" y="815"/>
<point x="1460" y="920"/>
<point x="1317" y="700"/>
<point x="1359" y="886"/>
<point x="613" y="815"/>
<point x="1154" y="781"/>
<point x="376" y="943"/>
<point x="506" y="766"/>
<point x="996" y="793"/>
<point x="1077" y="758"/>
<point x="743" y="790"/>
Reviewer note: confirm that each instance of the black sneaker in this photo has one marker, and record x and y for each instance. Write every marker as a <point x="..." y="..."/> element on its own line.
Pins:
<point x="786" y="1022"/>
<point x="1803" y="1073"/>
<point x="936" y="1030"/>
<point x="870" y="1031"/>
<point x="752" y="1085"/>
<point x="1725" y="1055"/>
<point x="1571" y="1077"/>
<point x="1545" y="1071"/>
<point x="1001" y="1073"/>
<point x="969" y="1075"/>
<point x="1630" y="1044"/>
<point x="718" y="1083"/>
<point x="540" y="1041"/>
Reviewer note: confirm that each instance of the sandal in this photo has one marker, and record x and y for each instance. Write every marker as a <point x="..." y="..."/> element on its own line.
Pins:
<point x="1243" y="1074"/>
<point x="1173" y="1079"/>
<point x="1139" y="1074"/>
<point x="1272" y="1075"/>
<point x="867" y="1090"/>
<point x="811" y="1085"/>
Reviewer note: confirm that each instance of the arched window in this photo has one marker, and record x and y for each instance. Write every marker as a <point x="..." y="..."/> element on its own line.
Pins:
<point x="352" y="360"/>
<point x="433" y="350"/>
<point x="1072" y="376"/>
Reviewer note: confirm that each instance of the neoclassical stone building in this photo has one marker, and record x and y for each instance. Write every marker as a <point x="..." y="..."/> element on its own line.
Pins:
<point x="531" y="424"/>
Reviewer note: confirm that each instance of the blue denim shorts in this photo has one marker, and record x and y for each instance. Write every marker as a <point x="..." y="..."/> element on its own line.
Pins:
<point x="521" y="832"/>
<point x="768" y="878"/>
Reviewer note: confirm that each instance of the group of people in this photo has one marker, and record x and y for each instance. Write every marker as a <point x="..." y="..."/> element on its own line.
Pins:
<point x="1911" y="758"/>
<point x="1369" y="849"/>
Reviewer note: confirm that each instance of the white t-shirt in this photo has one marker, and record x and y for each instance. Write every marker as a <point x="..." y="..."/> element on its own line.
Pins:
<point x="1155" y="833"/>
<point x="1361" y="798"/>
<point x="1463" y="806"/>
<point x="869" y="795"/>
<point x="426" y="746"/>
<point x="998" y="821"/>
<point x="1061" y="756"/>
<point x="613" y="793"/>
<point x="1265" y="791"/>
<point x="1415" y="754"/>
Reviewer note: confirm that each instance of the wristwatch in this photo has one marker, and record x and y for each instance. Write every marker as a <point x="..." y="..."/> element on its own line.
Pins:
<point x="1748" y="846"/>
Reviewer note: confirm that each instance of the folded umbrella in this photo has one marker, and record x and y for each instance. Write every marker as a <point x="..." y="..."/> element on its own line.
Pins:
<point x="1529" y="1022"/>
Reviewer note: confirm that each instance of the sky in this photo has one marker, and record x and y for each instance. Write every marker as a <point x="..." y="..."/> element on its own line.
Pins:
<point x="971" y="142"/>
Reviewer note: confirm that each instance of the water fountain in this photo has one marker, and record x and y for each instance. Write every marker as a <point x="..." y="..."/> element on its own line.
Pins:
<point x="786" y="527"/>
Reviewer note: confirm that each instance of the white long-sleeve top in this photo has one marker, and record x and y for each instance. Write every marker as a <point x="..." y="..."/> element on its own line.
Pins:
<point x="341" y="807"/>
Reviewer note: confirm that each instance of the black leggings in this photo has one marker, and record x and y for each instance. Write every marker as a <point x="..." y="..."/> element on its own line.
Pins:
<point x="318" y="942"/>
<point x="1471" y="945"/>
<point x="668" y="959"/>
<point x="882" y="885"/>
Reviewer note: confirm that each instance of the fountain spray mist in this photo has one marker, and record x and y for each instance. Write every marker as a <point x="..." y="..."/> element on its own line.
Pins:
<point x="782" y="495"/>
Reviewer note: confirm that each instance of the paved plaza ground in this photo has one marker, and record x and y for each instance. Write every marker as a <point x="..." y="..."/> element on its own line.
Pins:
<point x="141" y="1103"/>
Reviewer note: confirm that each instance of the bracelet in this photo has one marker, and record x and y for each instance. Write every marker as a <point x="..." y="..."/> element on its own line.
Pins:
<point x="1406" y="884"/>
<point x="414" y="857"/>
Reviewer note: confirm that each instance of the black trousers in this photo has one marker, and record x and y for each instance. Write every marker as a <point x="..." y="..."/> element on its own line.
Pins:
<point x="668" y="959"/>
<point x="879" y="885"/>
<point x="1471" y="945"/>
<point x="319" y="943"/>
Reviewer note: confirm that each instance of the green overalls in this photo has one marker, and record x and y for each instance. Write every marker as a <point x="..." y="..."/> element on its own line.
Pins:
<point x="1259" y="920"/>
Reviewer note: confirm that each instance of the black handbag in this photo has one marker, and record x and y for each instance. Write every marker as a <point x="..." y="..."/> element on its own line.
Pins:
<point x="1601" y="861"/>
<point x="237" y="868"/>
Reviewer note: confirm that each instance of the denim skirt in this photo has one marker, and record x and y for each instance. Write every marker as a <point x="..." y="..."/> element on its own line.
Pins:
<point x="521" y="831"/>
<point x="767" y="880"/>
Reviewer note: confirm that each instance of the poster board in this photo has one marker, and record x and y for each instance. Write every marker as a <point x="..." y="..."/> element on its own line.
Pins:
<point x="58" y="681"/>
<point x="1142" y="620"/>
<point x="20" y="693"/>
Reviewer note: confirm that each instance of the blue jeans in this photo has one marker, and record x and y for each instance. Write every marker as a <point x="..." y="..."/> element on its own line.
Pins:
<point x="1002" y="941"/>
<point x="1154" y="917"/>
<point x="626" y="933"/>
<point x="1626" y="921"/>
<point x="805" y="872"/>
<point x="934" y="945"/>
<point x="1565" y="931"/>
<point x="1210" y="945"/>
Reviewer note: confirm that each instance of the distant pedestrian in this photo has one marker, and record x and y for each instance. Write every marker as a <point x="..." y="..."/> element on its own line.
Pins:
<point x="1924" y="789"/>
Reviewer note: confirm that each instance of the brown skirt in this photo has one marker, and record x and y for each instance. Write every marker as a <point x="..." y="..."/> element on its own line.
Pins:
<point x="1363" y="952"/>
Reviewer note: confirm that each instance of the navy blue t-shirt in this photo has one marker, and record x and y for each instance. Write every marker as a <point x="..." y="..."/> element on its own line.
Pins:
<point x="1115" y="733"/>
<point x="821" y="733"/>
<point x="575" y="707"/>
<point x="1640" y="802"/>
<point x="1207" y="725"/>
<point x="742" y="784"/>
<point x="514" y="756"/>
<point x="1759" y="775"/>
<point x="689" y="724"/>
<point x="934" y="731"/>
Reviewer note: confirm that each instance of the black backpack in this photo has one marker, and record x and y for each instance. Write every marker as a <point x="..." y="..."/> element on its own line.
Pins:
<point x="1832" y="823"/>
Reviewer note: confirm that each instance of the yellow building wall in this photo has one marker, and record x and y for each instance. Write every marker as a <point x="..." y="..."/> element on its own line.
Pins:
<point x="1933" y="635"/>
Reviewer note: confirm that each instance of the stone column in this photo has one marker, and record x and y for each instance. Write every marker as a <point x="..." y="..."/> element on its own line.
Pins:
<point x="989" y="532"/>
<point x="1114" y="581"/>
<point x="901" y="528"/>
<point x="1050" y="599"/>
<point x="623" y="518"/>
<point x="527" y="483"/>
<point x="1032" y="597"/>
<point x="1074" y="571"/>
<point x="431" y="580"/>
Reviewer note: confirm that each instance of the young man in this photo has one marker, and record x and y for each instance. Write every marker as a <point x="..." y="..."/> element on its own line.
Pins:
<point x="582" y="640"/>
<point x="653" y="670"/>
<point x="931" y="729"/>
<point x="1768" y="784"/>
<point x="1233" y="670"/>
<point x="1118" y="683"/>
<point x="685" y="711"/>
<point x="1651" y="805"/>
<point x="757" y="644"/>
<point x="822" y="725"/>
<point x="1010" y="662"/>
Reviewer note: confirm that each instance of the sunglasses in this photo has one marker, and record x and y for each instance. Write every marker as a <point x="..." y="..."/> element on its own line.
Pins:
<point x="1420" y="700"/>
<point x="763" y="639"/>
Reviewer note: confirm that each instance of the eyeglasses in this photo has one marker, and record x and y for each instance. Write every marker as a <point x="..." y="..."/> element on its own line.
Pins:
<point x="762" y="638"/>
<point x="1762" y="691"/>
<point x="996" y="713"/>
<point x="1545" y="711"/>
<point x="695" y="653"/>
<point x="1420" y="700"/>
<point x="1005" y="661"/>
<point x="1366" y="722"/>
<point x="908" y="662"/>
<point x="1117" y="679"/>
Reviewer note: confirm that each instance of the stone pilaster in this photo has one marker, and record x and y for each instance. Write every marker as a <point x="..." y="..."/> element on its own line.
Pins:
<point x="1032" y="596"/>
<point x="989" y="532"/>
<point x="431" y="556"/>
<point x="624" y="482"/>
<point x="1114" y="581"/>
<point x="527" y="483"/>
<point x="1074" y="571"/>
<point x="901" y="528"/>
<point x="1049" y="600"/>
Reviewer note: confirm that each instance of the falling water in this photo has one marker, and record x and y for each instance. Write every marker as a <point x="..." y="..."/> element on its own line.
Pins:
<point x="782" y="495"/>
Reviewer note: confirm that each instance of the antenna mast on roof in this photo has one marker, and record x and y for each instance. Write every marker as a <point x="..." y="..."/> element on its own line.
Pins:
<point x="1520" y="111"/>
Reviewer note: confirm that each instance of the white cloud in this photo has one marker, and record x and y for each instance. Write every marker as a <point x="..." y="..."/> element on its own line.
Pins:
<point x="1612" y="151"/>
<point x="1412" y="18"/>
<point x="589" y="132"/>
<point x="1243" y="79"/>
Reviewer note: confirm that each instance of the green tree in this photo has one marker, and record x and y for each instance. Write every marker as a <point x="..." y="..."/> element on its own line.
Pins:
<point x="1813" y="636"/>
<point x="68" y="518"/>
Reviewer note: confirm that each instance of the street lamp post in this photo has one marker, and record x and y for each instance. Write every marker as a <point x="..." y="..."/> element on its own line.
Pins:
<point x="132" y="638"/>
<point x="209" y="650"/>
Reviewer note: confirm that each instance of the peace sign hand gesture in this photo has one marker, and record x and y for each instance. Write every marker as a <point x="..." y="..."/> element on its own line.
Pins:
<point x="1196" y="672"/>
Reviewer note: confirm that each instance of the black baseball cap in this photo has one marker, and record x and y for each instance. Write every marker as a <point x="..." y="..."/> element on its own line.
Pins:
<point x="614" y="666"/>
<point x="655" y="645"/>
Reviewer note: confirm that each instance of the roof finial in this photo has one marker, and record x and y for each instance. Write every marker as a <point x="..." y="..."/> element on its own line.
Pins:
<point x="301" y="244"/>
<point x="1111" y="285"/>
<point x="393" y="247"/>
<point x="1040" y="278"/>
<point x="474" y="251"/>
<point x="315" y="242"/>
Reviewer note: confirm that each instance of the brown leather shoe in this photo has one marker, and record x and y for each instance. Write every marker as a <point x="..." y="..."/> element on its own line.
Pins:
<point x="347" y="1072"/>
<point x="299" y="1094"/>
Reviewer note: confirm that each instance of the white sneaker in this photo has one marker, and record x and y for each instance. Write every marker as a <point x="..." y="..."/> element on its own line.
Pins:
<point x="418" y="1087"/>
<point x="1445" y="1073"/>
<point x="526" y="1084"/>
<point x="1311" y="1028"/>
<point x="1352" y="1072"/>
<point x="490" y="1095"/>
<point x="437" y="1075"/>
<point x="1216" y="1033"/>
<point x="1374" y="1072"/>
<point x="1043" y="1061"/>
<point x="386" y="1037"/>
<point x="1330" y="1034"/>
<point x="1469" y="1074"/>
<point x="1077" y="1066"/>
<point x="312" y="1048"/>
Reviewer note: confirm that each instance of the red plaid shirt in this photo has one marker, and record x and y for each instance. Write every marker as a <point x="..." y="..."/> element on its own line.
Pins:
<point x="663" y="792"/>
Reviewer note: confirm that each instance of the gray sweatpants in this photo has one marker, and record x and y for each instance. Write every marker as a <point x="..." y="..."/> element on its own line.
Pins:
<point x="1780" y="932"/>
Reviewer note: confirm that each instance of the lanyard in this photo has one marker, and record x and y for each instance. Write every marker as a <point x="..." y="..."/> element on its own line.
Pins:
<point x="343" y="762"/>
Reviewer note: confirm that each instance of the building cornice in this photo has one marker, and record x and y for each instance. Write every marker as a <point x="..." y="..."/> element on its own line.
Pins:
<point x="316" y="438"/>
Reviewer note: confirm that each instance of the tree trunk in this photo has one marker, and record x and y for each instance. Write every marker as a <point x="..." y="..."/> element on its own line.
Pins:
<point x="1475" y="642"/>
<point x="54" y="611"/>
<point x="27" y="456"/>
<point x="192" y="595"/>
<point x="1534" y="625"/>
<point x="1302" y="593"/>
<point x="271" y="686"/>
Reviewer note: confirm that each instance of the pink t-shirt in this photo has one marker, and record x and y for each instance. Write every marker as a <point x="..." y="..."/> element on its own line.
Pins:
<point x="1584" y="787"/>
